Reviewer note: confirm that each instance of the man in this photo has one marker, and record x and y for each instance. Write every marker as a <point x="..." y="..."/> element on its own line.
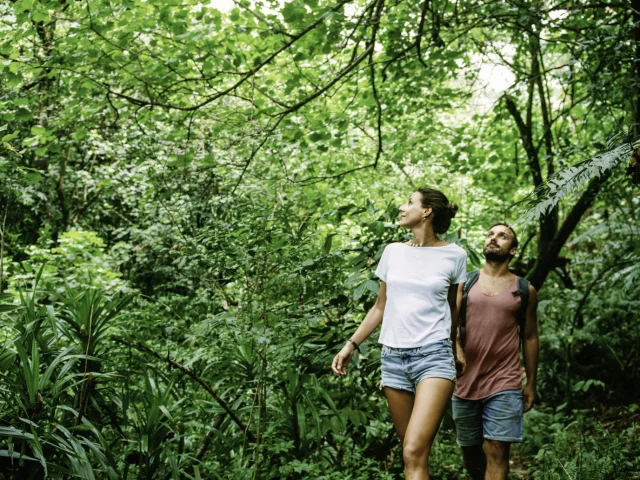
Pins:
<point x="489" y="400"/>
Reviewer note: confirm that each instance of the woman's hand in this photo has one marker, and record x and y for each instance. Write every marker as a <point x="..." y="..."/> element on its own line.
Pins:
<point x="342" y="359"/>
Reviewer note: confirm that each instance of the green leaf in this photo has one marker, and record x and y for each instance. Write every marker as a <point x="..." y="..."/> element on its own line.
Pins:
<point x="32" y="177"/>
<point x="359" y="291"/>
<point x="15" y="433"/>
<point x="38" y="130"/>
<point x="23" y="5"/>
<point x="11" y="136"/>
<point x="14" y="79"/>
<point x="372" y="286"/>
<point x="31" y="142"/>
<point x="16" y="455"/>
<point x="327" y="242"/>
<point x="39" y="16"/>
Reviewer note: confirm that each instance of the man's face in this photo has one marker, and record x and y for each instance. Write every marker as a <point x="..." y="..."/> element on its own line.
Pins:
<point x="497" y="246"/>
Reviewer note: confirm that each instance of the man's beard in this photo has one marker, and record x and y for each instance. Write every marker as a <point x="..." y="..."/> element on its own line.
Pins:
<point x="495" y="255"/>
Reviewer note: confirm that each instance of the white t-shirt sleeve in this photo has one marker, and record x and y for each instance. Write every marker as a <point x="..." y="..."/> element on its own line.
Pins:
<point x="460" y="273"/>
<point x="383" y="266"/>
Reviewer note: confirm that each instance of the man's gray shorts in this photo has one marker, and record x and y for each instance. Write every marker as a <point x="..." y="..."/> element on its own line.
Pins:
<point x="497" y="417"/>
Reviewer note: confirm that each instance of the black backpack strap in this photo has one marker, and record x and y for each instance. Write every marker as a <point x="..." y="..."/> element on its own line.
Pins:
<point x="523" y="293"/>
<point x="472" y="278"/>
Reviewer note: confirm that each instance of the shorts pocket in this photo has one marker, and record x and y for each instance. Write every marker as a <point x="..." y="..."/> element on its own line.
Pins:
<point x="439" y="349"/>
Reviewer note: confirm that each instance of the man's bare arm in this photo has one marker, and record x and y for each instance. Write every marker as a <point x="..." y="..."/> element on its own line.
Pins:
<point x="530" y="350"/>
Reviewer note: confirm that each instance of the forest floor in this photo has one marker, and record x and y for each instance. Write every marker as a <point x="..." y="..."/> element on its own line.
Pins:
<point x="611" y="418"/>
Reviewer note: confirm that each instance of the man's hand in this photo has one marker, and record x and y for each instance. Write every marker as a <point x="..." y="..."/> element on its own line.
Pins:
<point x="461" y="361"/>
<point x="528" y="397"/>
<point x="342" y="359"/>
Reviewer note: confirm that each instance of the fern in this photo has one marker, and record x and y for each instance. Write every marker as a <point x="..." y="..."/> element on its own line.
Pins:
<point x="565" y="182"/>
<point x="585" y="450"/>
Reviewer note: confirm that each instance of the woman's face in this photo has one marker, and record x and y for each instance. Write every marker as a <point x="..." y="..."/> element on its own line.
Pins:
<point x="412" y="212"/>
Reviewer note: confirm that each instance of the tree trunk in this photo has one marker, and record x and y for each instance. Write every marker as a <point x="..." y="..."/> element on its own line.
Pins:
<point x="635" y="4"/>
<point x="547" y="258"/>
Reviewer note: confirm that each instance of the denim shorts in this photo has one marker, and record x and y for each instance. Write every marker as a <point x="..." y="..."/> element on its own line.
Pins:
<point x="497" y="417"/>
<point x="404" y="368"/>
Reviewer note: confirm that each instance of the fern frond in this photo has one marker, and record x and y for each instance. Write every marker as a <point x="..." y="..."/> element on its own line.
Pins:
<point x="546" y="196"/>
<point x="617" y="225"/>
<point x="627" y="277"/>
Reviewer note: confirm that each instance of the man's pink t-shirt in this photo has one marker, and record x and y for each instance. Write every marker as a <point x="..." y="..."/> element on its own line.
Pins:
<point x="492" y="345"/>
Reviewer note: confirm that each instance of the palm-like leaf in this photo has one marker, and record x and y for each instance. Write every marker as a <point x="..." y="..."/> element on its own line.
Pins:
<point x="565" y="182"/>
<point x="88" y="316"/>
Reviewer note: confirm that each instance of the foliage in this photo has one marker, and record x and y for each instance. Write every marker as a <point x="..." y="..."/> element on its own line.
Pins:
<point x="584" y="450"/>
<point x="547" y="196"/>
<point x="193" y="201"/>
<point x="77" y="260"/>
<point x="44" y="378"/>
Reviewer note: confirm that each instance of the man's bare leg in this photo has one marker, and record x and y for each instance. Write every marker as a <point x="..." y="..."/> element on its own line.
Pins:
<point x="497" y="454"/>
<point x="475" y="461"/>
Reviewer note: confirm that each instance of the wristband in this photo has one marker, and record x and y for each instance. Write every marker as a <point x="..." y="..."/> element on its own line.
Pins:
<point x="357" y="347"/>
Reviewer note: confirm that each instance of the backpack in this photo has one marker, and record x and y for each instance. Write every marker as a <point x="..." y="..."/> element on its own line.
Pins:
<point x="522" y="291"/>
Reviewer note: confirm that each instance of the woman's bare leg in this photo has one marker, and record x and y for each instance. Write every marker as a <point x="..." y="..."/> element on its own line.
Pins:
<point x="400" y="405"/>
<point x="430" y="403"/>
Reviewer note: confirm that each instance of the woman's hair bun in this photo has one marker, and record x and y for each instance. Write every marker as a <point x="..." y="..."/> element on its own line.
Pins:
<point x="453" y="208"/>
<point x="443" y="209"/>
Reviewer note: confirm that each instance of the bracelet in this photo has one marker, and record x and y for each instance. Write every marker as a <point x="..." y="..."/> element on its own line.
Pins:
<point x="357" y="347"/>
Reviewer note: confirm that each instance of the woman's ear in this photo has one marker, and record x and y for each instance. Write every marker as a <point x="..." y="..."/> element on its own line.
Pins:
<point x="427" y="212"/>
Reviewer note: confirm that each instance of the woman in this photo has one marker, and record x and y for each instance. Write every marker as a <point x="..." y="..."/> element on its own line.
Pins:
<point x="417" y="299"/>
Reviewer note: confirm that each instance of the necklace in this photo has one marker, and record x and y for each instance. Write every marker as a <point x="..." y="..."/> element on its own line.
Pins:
<point x="423" y="244"/>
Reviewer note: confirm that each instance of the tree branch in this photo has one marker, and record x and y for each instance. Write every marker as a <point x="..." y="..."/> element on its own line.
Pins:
<point x="251" y="73"/>
<point x="423" y="15"/>
<point x="372" y="76"/>
<point x="335" y="80"/>
<point x="254" y="153"/>
<point x="577" y="316"/>
<point x="545" y="262"/>
<point x="190" y="373"/>
<point x="2" y="233"/>
<point x="526" y="139"/>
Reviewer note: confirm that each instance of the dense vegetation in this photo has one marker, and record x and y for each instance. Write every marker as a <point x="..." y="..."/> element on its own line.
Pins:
<point x="194" y="195"/>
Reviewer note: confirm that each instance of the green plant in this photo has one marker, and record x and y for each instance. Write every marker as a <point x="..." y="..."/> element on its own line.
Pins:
<point x="584" y="450"/>
<point x="42" y="431"/>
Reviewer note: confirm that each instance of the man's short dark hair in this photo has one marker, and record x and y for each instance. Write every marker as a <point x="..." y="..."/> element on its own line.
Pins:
<point x="514" y="243"/>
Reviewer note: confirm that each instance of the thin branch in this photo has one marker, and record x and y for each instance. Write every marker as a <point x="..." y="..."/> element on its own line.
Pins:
<point x="254" y="152"/>
<point x="190" y="373"/>
<point x="525" y="137"/>
<point x="372" y="76"/>
<point x="523" y="249"/>
<point x="335" y="80"/>
<point x="115" y="110"/>
<point x="317" y="179"/>
<point x="423" y="15"/>
<point x="4" y="226"/>
<point x="597" y="279"/>
<point x="263" y="19"/>
<point x="251" y="73"/>
<point x="207" y="439"/>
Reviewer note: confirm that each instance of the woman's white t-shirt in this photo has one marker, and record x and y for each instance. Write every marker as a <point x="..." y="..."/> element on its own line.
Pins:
<point x="417" y="312"/>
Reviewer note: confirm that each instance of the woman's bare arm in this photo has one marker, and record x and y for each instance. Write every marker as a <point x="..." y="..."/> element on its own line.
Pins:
<point x="371" y="321"/>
